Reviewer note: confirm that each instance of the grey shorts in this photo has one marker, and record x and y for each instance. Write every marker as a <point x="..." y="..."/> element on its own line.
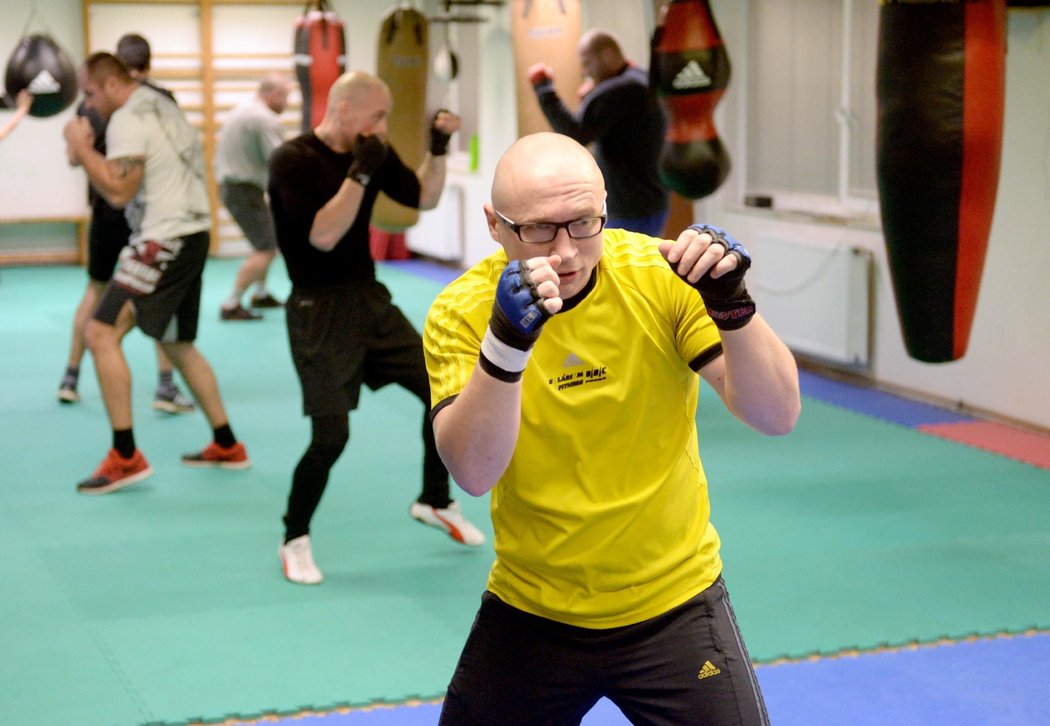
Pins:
<point x="247" y="205"/>
<point x="162" y="279"/>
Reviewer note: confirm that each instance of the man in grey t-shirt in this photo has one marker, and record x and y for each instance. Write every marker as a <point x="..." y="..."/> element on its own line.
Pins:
<point x="249" y="135"/>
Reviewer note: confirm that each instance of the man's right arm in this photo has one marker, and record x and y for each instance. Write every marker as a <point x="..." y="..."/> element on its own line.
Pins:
<point x="335" y="218"/>
<point x="476" y="434"/>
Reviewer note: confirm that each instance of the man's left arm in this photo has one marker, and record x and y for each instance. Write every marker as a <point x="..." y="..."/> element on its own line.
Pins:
<point x="431" y="173"/>
<point x="756" y="376"/>
<point x="116" y="180"/>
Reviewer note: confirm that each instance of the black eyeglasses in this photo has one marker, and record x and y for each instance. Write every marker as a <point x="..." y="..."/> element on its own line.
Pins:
<point x="538" y="233"/>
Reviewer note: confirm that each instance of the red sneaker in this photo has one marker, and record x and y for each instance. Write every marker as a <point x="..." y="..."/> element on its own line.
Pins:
<point x="233" y="457"/>
<point x="116" y="472"/>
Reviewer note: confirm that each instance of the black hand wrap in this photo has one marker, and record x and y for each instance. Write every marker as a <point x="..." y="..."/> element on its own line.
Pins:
<point x="727" y="300"/>
<point x="438" y="138"/>
<point x="369" y="153"/>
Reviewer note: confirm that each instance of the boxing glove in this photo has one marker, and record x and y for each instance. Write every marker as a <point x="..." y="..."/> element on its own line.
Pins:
<point x="727" y="300"/>
<point x="369" y="153"/>
<point x="518" y="315"/>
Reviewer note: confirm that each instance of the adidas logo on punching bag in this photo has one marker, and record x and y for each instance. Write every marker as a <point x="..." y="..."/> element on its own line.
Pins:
<point x="689" y="72"/>
<point x="43" y="83"/>
<point x="40" y="65"/>
<point x="691" y="76"/>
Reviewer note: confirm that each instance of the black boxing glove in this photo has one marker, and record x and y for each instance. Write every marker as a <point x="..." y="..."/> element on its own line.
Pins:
<point x="518" y="314"/>
<point x="727" y="300"/>
<point x="369" y="153"/>
<point x="438" y="138"/>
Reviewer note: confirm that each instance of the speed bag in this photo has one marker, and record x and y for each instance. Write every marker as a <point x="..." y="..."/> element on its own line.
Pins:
<point x="40" y="65"/>
<point x="940" y="88"/>
<point x="320" y="58"/>
<point x="689" y="71"/>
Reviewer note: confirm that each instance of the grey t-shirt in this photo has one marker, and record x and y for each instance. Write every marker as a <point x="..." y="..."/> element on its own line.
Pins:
<point x="173" y="199"/>
<point x="250" y="134"/>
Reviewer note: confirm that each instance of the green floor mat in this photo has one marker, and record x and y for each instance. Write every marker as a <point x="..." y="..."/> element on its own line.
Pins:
<point x="165" y="603"/>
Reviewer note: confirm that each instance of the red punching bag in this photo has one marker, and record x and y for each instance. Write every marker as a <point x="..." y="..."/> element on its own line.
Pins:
<point x="320" y="58"/>
<point x="689" y="72"/>
<point x="940" y="85"/>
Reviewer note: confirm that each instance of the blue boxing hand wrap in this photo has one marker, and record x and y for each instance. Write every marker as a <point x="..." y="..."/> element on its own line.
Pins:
<point x="517" y="317"/>
<point x="727" y="300"/>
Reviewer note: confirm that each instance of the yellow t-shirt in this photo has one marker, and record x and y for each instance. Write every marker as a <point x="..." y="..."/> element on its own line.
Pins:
<point x="602" y="517"/>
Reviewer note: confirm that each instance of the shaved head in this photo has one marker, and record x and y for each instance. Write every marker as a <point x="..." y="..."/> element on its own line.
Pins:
<point x="544" y="165"/>
<point x="358" y="105"/>
<point x="597" y="40"/>
<point x="549" y="179"/>
<point x="600" y="54"/>
<point x="355" y="87"/>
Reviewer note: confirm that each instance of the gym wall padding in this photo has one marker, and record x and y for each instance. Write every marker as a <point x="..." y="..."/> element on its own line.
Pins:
<point x="941" y="74"/>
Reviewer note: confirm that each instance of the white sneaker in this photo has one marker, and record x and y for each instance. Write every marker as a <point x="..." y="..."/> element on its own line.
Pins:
<point x="297" y="560"/>
<point x="449" y="520"/>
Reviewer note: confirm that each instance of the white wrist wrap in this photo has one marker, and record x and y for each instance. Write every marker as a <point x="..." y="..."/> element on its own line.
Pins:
<point x="502" y="355"/>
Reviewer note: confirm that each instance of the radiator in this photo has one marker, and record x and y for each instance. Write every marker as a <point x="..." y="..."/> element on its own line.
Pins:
<point x="816" y="297"/>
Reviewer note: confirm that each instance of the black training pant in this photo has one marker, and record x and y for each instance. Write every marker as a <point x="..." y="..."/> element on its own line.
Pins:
<point x="687" y="666"/>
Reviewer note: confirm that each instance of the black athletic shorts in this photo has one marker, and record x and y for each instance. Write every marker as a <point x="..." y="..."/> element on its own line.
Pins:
<point x="347" y="335"/>
<point x="687" y="666"/>
<point x="107" y="235"/>
<point x="246" y="203"/>
<point x="162" y="279"/>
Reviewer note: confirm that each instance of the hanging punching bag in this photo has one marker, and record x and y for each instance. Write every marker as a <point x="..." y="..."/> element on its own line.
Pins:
<point x="940" y="86"/>
<point x="689" y="72"/>
<point x="402" y="62"/>
<point x="320" y="58"/>
<point x="40" y="65"/>
<point x="545" y="31"/>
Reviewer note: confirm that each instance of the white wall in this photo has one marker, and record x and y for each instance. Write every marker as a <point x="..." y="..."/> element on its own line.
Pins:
<point x="35" y="179"/>
<point x="1005" y="369"/>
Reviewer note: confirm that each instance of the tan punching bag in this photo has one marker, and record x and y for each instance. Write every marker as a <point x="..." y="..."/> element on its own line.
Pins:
<point x="545" y="31"/>
<point x="402" y="58"/>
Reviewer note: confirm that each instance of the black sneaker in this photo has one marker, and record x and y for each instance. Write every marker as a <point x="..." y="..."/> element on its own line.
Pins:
<point x="238" y="313"/>
<point x="266" y="301"/>
<point x="67" y="391"/>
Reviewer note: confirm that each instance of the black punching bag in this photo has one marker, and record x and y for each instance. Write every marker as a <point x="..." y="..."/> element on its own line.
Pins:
<point x="689" y="72"/>
<point x="940" y="88"/>
<point x="40" y="65"/>
<point x="320" y="58"/>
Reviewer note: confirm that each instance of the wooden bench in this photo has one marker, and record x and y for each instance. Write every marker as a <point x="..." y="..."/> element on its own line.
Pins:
<point x="50" y="257"/>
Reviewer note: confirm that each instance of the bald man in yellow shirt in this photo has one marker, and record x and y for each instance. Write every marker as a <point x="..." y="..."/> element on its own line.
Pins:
<point x="564" y="381"/>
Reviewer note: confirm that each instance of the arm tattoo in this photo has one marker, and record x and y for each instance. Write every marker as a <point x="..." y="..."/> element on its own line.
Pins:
<point x="124" y="166"/>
